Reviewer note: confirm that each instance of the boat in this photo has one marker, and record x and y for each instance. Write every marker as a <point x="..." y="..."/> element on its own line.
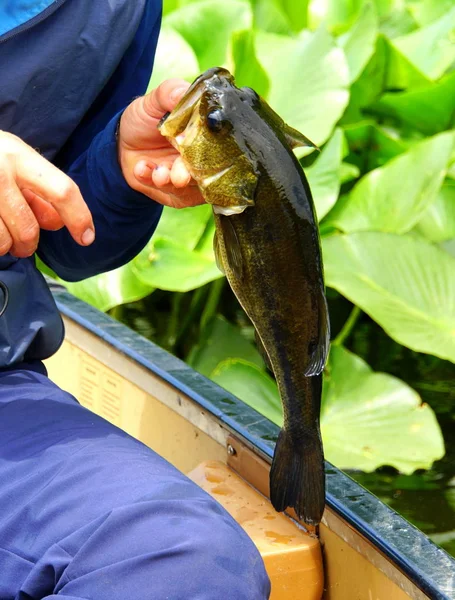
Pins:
<point x="362" y="550"/>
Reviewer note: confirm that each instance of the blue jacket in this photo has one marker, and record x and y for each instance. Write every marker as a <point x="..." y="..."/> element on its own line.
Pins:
<point x="68" y="69"/>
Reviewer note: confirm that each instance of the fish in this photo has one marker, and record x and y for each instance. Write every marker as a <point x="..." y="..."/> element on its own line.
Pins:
<point x="239" y="151"/>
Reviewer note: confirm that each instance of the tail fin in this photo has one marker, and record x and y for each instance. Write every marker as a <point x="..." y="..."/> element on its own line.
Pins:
<point x="297" y="477"/>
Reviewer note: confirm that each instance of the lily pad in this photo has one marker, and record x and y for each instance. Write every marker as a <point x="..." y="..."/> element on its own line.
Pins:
<point x="438" y="221"/>
<point x="219" y="342"/>
<point x="247" y="69"/>
<point x="174" y="58"/>
<point x="431" y="48"/>
<point x="169" y="266"/>
<point x="208" y="25"/>
<point x="324" y="174"/>
<point x="428" y="109"/>
<point x="359" y="42"/>
<point x="370" y="419"/>
<point x="309" y="80"/>
<point x="252" y="385"/>
<point x="110" y="289"/>
<point x="404" y="283"/>
<point x="393" y="198"/>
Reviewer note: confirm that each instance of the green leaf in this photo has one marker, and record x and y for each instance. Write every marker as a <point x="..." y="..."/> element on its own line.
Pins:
<point x="324" y="174"/>
<point x="248" y="70"/>
<point x="309" y="80"/>
<point x="297" y="13"/>
<point x="221" y="341"/>
<point x="370" y="419"/>
<point x="174" y="58"/>
<point x="429" y="109"/>
<point x="393" y="197"/>
<point x="427" y="11"/>
<point x="110" y="289"/>
<point x="431" y="48"/>
<point x="338" y="15"/>
<point x="401" y="73"/>
<point x="252" y="385"/>
<point x="166" y="265"/>
<point x="404" y="283"/>
<point x="438" y="221"/>
<point x="208" y="25"/>
<point x="395" y="18"/>
<point x="348" y="172"/>
<point x="183" y="226"/>
<point x="359" y="42"/>
<point x="205" y="244"/>
<point x="269" y="15"/>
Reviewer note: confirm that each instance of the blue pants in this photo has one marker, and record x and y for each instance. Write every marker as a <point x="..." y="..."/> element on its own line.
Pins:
<point x="87" y="512"/>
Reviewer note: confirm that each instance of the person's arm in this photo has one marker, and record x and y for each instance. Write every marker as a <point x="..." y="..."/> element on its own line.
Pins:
<point x="124" y="219"/>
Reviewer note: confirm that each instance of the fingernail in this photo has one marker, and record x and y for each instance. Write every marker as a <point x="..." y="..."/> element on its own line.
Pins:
<point x="176" y="94"/>
<point x="88" y="237"/>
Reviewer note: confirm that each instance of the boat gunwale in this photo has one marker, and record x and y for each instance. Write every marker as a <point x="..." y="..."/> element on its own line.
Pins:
<point x="428" y="566"/>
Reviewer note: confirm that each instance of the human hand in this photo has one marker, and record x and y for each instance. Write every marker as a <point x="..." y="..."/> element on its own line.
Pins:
<point x="35" y="195"/>
<point x="149" y="163"/>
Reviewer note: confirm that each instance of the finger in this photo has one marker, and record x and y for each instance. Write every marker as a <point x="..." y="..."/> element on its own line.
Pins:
<point x="165" y="97"/>
<point x="35" y="173"/>
<point x="180" y="176"/>
<point x="161" y="176"/>
<point x="46" y="215"/>
<point x="18" y="218"/>
<point x="6" y="241"/>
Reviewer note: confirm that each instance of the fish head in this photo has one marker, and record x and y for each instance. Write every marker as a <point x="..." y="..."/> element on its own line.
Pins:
<point x="206" y="127"/>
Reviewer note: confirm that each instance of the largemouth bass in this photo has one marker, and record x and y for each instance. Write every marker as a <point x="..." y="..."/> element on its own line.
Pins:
<point x="239" y="151"/>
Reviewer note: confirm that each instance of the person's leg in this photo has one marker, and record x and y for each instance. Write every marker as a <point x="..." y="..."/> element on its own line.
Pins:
<point x="87" y="512"/>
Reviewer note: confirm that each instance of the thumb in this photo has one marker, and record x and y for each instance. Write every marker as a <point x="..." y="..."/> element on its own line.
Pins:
<point x="164" y="98"/>
<point x="139" y="121"/>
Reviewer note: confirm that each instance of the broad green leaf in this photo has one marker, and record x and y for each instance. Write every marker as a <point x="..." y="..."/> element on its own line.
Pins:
<point x="371" y="419"/>
<point x="297" y="12"/>
<point x="110" y="289"/>
<point x="401" y="73"/>
<point x="395" y="18"/>
<point x="309" y="80"/>
<point x="324" y="174"/>
<point x="174" y="58"/>
<point x="166" y="265"/>
<point x="429" y="109"/>
<point x="427" y="11"/>
<point x="269" y="15"/>
<point x="348" y="172"/>
<point x="207" y="26"/>
<point x="448" y="247"/>
<point x="438" y="221"/>
<point x="183" y="226"/>
<point x="404" y="283"/>
<point x="392" y="198"/>
<point x="338" y="15"/>
<point x="205" y="244"/>
<point x="247" y="69"/>
<point x="221" y="341"/>
<point x="370" y="85"/>
<point x="252" y="385"/>
<point x="169" y="6"/>
<point x="431" y="48"/>
<point x="359" y="42"/>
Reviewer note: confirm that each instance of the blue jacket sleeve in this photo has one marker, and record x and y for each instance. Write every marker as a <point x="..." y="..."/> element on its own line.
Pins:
<point x="124" y="219"/>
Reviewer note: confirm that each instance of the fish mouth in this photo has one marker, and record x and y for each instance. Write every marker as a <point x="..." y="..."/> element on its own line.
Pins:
<point x="174" y="123"/>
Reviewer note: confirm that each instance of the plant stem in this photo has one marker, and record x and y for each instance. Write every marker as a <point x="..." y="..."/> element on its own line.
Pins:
<point x="212" y="302"/>
<point x="171" y="333"/>
<point x="347" y="327"/>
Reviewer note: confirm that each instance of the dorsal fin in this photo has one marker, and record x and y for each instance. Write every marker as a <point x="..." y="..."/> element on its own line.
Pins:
<point x="296" y="139"/>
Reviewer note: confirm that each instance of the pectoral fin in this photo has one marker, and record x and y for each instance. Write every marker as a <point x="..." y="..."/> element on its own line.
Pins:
<point x="321" y="351"/>
<point x="217" y="252"/>
<point x="296" y="139"/>
<point x="233" y="251"/>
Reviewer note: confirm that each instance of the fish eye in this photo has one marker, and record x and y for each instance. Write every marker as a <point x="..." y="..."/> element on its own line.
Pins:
<point x="216" y="120"/>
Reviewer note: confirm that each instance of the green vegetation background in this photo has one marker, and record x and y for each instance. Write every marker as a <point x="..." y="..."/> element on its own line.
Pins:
<point x="373" y="84"/>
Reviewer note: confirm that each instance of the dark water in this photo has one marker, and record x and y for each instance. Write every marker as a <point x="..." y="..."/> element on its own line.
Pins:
<point x="426" y="498"/>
